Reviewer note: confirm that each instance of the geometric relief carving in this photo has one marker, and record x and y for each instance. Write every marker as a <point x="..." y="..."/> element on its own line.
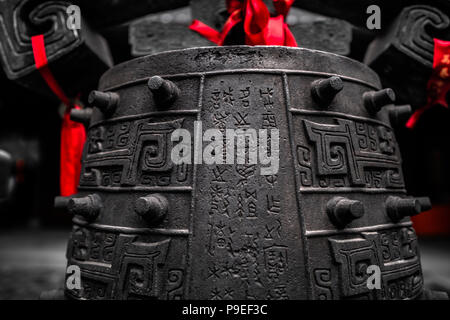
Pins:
<point x="398" y="244"/>
<point x="118" y="266"/>
<point x="354" y="256"/>
<point x="92" y="246"/>
<point x="349" y="154"/>
<point x="322" y="289"/>
<point x="77" y="58"/>
<point x="131" y="153"/>
<point x="304" y="159"/>
<point x="175" y="284"/>
<point x="407" y="285"/>
<point x="394" y="251"/>
<point x="94" y="287"/>
<point x="139" y="276"/>
<point x="413" y="38"/>
<point x="407" y="42"/>
<point x="16" y="53"/>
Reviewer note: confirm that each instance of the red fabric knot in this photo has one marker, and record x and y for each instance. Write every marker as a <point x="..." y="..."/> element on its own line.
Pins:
<point x="259" y="27"/>
<point x="439" y="83"/>
<point x="73" y="134"/>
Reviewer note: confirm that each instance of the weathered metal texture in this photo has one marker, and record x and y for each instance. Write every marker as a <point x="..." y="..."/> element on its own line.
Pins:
<point x="76" y="58"/>
<point x="403" y="55"/>
<point x="214" y="12"/>
<point x="320" y="33"/>
<point x="163" y="32"/>
<point x="170" y="30"/>
<point x="352" y="10"/>
<point x="149" y="229"/>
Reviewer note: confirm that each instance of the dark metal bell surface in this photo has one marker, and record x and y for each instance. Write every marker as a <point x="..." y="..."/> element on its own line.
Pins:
<point x="145" y="228"/>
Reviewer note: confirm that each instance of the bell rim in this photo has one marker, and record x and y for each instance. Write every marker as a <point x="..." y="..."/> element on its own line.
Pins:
<point x="140" y="68"/>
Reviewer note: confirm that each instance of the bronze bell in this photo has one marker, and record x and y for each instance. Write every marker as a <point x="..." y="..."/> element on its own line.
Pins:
<point x="146" y="227"/>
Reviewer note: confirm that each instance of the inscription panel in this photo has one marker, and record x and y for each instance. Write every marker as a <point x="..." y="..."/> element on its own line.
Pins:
<point x="252" y="248"/>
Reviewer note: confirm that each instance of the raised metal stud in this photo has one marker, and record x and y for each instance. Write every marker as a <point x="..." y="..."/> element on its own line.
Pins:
<point x="164" y="91"/>
<point x="425" y="203"/>
<point x="152" y="208"/>
<point x="342" y="211"/>
<point x="106" y="101"/>
<point x="324" y="90"/>
<point x="81" y="115"/>
<point x="397" y="208"/>
<point x="88" y="207"/>
<point x="6" y="169"/>
<point x="375" y="100"/>
<point x="399" y="114"/>
<point x="61" y="202"/>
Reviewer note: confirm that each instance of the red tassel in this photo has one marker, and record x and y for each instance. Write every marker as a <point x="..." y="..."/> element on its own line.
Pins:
<point x="206" y="31"/>
<point x="73" y="134"/>
<point x="259" y="27"/>
<point x="439" y="84"/>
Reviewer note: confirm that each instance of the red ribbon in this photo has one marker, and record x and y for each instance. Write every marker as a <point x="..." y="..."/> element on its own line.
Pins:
<point x="73" y="134"/>
<point x="259" y="27"/>
<point x="439" y="83"/>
